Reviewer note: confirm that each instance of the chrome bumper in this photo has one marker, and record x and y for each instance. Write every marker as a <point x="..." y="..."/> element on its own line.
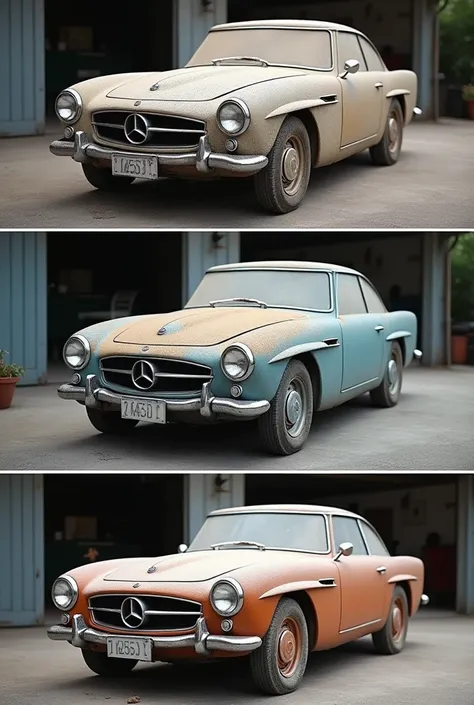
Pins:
<point x="94" y="396"/>
<point x="204" y="643"/>
<point x="82" y="150"/>
<point x="417" y="354"/>
<point x="424" y="600"/>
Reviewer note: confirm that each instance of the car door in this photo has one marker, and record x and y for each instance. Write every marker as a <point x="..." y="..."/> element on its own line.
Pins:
<point x="363" y="584"/>
<point x="362" y="93"/>
<point x="363" y="342"/>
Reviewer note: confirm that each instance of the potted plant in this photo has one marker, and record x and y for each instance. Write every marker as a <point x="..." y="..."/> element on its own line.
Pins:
<point x="9" y="377"/>
<point x="468" y="96"/>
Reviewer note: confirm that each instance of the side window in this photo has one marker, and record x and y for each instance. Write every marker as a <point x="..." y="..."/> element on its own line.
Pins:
<point x="346" y="530"/>
<point x="349" y="295"/>
<point x="349" y="48"/>
<point x="372" y="58"/>
<point x="376" y="545"/>
<point x="372" y="299"/>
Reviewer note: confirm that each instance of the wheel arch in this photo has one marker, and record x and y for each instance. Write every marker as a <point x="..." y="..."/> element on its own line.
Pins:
<point x="309" y="611"/>
<point x="400" y="339"/>
<point x="309" y="121"/>
<point x="311" y="364"/>
<point x="401" y="97"/>
<point x="404" y="581"/>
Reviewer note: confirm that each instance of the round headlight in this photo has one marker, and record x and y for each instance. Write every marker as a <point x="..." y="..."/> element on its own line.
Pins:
<point x="233" y="117"/>
<point x="69" y="106"/>
<point x="227" y="597"/>
<point x="77" y="352"/>
<point x="237" y="362"/>
<point x="64" y="592"/>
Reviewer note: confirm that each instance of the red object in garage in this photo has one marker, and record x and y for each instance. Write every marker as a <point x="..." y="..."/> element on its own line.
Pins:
<point x="459" y="349"/>
<point x="440" y="571"/>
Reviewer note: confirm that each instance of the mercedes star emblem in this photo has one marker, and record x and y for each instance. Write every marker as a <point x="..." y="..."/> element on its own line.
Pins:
<point x="136" y="129"/>
<point x="143" y="374"/>
<point x="132" y="612"/>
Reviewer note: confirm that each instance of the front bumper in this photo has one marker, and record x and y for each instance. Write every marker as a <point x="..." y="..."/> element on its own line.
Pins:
<point x="204" y="159"/>
<point x="95" y="396"/>
<point x="204" y="643"/>
<point x="425" y="600"/>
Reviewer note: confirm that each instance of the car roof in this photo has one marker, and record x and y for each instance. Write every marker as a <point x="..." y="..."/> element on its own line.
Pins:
<point x="285" y="24"/>
<point x="284" y="509"/>
<point x="283" y="264"/>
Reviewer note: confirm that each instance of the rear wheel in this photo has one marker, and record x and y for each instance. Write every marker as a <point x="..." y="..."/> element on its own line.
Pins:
<point x="104" y="180"/>
<point x="387" y="394"/>
<point x="391" y="639"/>
<point x="107" y="667"/>
<point x="278" y="666"/>
<point x="387" y="151"/>
<point x="110" y="421"/>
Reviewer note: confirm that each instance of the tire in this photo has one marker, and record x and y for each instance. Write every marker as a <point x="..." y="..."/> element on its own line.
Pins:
<point x="275" y="192"/>
<point x="276" y="434"/>
<point x="107" y="667"/>
<point x="103" y="179"/>
<point x="278" y="671"/>
<point x="391" y="639"/>
<point x="387" y="394"/>
<point x="110" y="421"/>
<point x="387" y="151"/>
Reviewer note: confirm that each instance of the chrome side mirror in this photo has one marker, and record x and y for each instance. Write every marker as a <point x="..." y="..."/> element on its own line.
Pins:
<point x="345" y="549"/>
<point x="182" y="548"/>
<point x="351" y="66"/>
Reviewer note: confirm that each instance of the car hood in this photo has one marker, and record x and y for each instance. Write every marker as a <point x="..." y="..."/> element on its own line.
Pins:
<point x="201" y="327"/>
<point x="197" y="84"/>
<point x="200" y="566"/>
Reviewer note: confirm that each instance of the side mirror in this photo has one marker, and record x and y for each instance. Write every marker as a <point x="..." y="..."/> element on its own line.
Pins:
<point x="182" y="548"/>
<point x="345" y="549"/>
<point x="351" y="66"/>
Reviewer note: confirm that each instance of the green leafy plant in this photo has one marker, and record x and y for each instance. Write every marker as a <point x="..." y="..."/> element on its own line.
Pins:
<point x="9" y="369"/>
<point x="468" y="92"/>
<point x="462" y="276"/>
<point x="457" y="41"/>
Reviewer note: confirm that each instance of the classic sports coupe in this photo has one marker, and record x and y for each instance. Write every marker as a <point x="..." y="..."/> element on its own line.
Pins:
<point x="268" y="99"/>
<point x="274" y="582"/>
<point x="273" y="341"/>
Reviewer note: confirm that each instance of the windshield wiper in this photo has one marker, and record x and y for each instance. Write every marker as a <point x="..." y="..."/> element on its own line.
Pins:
<point x="262" y="304"/>
<point x="248" y="59"/>
<point x="247" y="544"/>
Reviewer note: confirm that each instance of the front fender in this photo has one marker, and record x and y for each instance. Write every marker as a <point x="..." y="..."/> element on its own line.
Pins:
<point x="301" y="585"/>
<point x="297" y="105"/>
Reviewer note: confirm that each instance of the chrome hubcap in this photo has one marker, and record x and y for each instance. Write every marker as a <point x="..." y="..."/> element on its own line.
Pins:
<point x="392" y="372"/>
<point x="286" y="647"/>
<point x="393" y="133"/>
<point x="291" y="164"/>
<point x="295" y="408"/>
<point x="292" y="171"/>
<point x="397" y="620"/>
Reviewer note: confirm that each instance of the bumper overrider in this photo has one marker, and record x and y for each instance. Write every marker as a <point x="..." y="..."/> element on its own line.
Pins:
<point x="95" y="396"/>
<point x="204" y="643"/>
<point x="81" y="149"/>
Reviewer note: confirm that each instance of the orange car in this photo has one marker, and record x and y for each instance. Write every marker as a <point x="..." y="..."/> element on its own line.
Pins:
<point x="273" y="582"/>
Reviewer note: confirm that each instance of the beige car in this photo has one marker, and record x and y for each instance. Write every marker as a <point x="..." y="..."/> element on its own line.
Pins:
<point x="267" y="99"/>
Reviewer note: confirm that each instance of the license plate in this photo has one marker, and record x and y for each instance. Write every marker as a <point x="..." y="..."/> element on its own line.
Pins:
<point x="136" y="649"/>
<point x="147" y="410"/>
<point x="138" y="167"/>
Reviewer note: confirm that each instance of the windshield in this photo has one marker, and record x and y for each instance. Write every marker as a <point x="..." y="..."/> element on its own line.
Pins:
<point x="292" y="532"/>
<point x="277" y="288"/>
<point x="281" y="47"/>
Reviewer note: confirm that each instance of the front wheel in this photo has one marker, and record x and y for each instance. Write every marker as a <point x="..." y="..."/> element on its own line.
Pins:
<point x="387" y="151"/>
<point x="103" y="665"/>
<point x="391" y="639"/>
<point x="110" y="421"/>
<point x="104" y="180"/>
<point x="278" y="666"/>
<point x="282" y="185"/>
<point x="387" y="394"/>
<point x="285" y="427"/>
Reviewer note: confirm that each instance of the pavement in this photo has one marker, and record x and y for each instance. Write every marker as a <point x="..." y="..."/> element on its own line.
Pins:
<point x="430" y="429"/>
<point x="430" y="188"/>
<point x="434" y="667"/>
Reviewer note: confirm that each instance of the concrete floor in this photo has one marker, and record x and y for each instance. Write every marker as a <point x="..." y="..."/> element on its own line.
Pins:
<point x="431" y="429"/>
<point x="430" y="188"/>
<point x="434" y="668"/>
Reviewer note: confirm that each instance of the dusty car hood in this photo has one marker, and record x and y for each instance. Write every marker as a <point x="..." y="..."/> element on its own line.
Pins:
<point x="201" y="327"/>
<point x="198" y="84"/>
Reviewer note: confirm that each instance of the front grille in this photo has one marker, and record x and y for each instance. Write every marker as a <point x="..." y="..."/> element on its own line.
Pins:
<point x="160" y="614"/>
<point x="171" y="376"/>
<point x="163" y="131"/>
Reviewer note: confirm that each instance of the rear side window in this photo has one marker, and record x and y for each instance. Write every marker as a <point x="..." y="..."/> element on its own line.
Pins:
<point x="349" y="48"/>
<point x="372" y="299"/>
<point x="349" y="295"/>
<point x="372" y="58"/>
<point x="346" y="530"/>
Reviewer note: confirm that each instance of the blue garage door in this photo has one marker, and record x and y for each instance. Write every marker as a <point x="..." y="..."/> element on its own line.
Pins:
<point x="21" y="550"/>
<point x="23" y="302"/>
<point x="22" y="80"/>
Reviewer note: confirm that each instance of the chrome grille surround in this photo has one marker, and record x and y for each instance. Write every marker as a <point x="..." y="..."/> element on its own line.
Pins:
<point x="161" y="613"/>
<point x="171" y="376"/>
<point x="166" y="132"/>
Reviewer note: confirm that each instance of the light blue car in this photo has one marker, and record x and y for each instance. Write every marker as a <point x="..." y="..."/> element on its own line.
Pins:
<point x="272" y="341"/>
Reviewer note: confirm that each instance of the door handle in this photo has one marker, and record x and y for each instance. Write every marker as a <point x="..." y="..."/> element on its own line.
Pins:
<point x="378" y="328"/>
<point x="379" y="86"/>
<point x="381" y="569"/>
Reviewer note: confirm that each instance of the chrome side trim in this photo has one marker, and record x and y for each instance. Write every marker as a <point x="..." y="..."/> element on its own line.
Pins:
<point x="398" y="334"/>
<point x="360" y="626"/>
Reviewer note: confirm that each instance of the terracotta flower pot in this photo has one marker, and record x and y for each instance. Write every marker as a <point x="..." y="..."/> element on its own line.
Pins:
<point x="7" y="390"/>
<point x="470" y="109"/>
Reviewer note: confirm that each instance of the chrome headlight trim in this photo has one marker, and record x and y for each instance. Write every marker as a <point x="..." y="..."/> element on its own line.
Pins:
<point x="248" y="354"/>
<point x="245" y="112"/>
<point x="79" y="106"/>
<point x="87" y="352"/>
<point x="239" y="596"/>
<point x="74" y="592"/>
